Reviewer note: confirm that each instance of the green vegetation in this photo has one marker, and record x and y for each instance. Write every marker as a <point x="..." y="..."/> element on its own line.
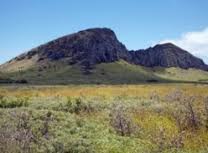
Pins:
<point x="182" y="74"/>
<point x="105" y="73"/>
<point x="163" y="118"/>
<point x="6" y="102"/>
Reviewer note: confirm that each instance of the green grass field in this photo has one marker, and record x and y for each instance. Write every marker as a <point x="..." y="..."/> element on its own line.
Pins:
<point x="148" y="118"/>
<point x="105" y="73"/>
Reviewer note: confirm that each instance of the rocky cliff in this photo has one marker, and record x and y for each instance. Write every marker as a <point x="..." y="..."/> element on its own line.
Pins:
<point x="100" y="45"/>
<point x="167" y="55"/>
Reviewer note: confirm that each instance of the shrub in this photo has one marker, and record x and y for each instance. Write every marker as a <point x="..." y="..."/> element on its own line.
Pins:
<point x="184" y="112"/>
<point x="174" y="96"/>
<point x="154" y="96"/>
<point x="165" y="142"/>
<point x="23" y="81"/>
<point x="121" y="121"/>
<point x="18" y="138"/>
<point x="192" y="118"/>
<point x="13" y="102"/>
<point x="206" y="111"/>
<point x="76" y="106"/>
<point x="80" y="145"/>
<point x="46" y="124"/>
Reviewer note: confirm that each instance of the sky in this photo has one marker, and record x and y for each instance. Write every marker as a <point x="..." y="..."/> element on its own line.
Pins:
<point x="25" y="24"/>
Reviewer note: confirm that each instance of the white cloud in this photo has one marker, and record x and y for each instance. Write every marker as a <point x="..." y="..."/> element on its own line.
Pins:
<point x="194" y="42"/>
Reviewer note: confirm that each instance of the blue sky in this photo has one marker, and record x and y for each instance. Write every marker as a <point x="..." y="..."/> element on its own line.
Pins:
<point x="25" y="24"/>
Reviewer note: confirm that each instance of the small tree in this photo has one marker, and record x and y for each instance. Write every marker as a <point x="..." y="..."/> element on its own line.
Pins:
<point x="183" y="111"/>
<point x="23" y="134"/>
<point x="191" y="116"/>
<point x="165" y="142"/>
<point x="121" y="121"/>
<point x="154" y="96"/>
<point x="46" y="124"/>
<point x="174" y="96"/>
<point x="18" y="137"/>
<point x="206" y="111"/>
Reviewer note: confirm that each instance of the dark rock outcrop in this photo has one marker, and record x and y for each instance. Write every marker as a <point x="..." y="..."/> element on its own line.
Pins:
<point x="100" y="45"/>
<point x="167" y="55"/>
<point x="87" y="47"/>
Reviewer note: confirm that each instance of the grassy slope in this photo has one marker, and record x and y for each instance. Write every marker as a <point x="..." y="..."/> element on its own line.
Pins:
<point x="3" y="78"/>
<point x="113" y="73"/>
<point x="182" y="74"/>
<point x="119" y="72"/>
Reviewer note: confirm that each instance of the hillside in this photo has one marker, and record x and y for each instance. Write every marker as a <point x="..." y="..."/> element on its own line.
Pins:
<point x="119" y="72"/>
<point x="97" y="56"/>
<point x="167" y="55"/>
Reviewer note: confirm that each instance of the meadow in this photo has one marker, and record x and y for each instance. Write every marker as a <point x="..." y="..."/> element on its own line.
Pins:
<point x="146" y="118"/>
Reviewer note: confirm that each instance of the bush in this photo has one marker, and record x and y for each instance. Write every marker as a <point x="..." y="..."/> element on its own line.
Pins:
<point x="23" y="81"/>
<point x="174" y="96"/>
<point x="192" y="118"/>
<point x="206" y="111"/>
<point x="154" y="96"/>
<point x="47" y="119"/>
<point x="164" y="142"/>
<point x="18" y="138"/>
<point x="184" y="111"/>
<point x="13" y="102"/>
<point x="76" y="106"/>
<point x="121" y="121"/>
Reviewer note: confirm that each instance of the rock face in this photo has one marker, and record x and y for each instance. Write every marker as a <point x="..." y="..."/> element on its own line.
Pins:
<point x="87" y="47"/>
<point x="100" y="45"/>
<point x="167" y="55"/>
